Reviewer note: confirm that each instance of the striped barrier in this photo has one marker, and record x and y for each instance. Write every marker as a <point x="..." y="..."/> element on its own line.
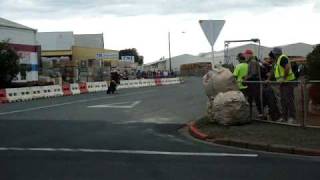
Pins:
<point x="13" y="94"/>
<point x="3" y="96"/>
<point x="37" y="92"/>
<point x="91" y="87"/>
<point x="57" y="90"/>
<point x="83" y="88"/>
<point x="157" y="82"/>
<point x="66" y="90"/>
<point x="25" y="93"/>
<point x="74" y="88"/>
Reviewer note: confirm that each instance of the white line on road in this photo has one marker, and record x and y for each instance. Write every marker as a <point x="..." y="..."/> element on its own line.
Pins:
<point x="143" y="152"/>
<point x="71" y="102"/>
<point x="120" y="105"/>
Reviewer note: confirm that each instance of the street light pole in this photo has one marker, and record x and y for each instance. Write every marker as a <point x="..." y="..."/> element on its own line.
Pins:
<point x="169" y="51"/>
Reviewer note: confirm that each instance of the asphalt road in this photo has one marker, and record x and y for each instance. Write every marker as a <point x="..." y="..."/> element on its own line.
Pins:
<point x="131" y="135"/>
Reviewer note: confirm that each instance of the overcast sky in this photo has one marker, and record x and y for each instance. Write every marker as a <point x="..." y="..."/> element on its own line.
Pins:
<point x="144" y="24"/>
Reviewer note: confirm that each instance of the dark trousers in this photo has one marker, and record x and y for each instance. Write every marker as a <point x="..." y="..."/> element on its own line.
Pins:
<point x="287" y="100"/>
<point x="254" y="95"/>
<point x="270" y="100"/>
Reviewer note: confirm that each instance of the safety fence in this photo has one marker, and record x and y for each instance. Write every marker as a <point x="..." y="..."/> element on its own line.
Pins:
<point x="36" y="92"/>
<point x="273" y="100"/>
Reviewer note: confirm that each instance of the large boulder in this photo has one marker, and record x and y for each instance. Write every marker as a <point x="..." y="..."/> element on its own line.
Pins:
<point x="219" y="80"/>
<point x="229" y="108"/>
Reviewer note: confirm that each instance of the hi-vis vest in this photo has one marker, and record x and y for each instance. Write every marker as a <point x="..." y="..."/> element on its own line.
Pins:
<point x="279" y="71"/>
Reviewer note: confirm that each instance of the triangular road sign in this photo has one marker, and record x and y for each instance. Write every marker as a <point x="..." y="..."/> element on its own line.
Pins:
<point x="211" y="29"/>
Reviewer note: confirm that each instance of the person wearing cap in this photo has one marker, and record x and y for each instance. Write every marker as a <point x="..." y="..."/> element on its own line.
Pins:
<point x="269" y="97"/>
<point x="283" y="73"/>
<point x="240" y="72"/>
<point x="253" y="75"/>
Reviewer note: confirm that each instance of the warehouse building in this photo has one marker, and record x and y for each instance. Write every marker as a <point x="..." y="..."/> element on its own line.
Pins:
<point x="75" y="57"/>
<point x="23" y="40"/>
<point x="176" y="62"/>
<point x="296" y="50"/>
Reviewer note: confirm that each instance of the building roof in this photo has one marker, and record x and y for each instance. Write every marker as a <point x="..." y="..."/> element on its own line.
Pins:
<point x="89" y="40"/>
<point x="11" y="24"/>
<point x="181" y="58"/>
<point x="296" y="49"/>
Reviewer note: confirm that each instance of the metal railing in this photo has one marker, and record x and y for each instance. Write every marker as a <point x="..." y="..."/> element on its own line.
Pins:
<point x="306" y="101"/>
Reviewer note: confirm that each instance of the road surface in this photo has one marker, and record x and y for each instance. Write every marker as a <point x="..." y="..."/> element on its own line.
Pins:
<point x="131" y="135"/>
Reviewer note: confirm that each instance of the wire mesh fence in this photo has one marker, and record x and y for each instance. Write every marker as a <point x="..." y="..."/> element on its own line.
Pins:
<point x="293" y="102"/>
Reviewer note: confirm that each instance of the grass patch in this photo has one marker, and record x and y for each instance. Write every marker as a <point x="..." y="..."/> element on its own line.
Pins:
<point x="260" y="132"/>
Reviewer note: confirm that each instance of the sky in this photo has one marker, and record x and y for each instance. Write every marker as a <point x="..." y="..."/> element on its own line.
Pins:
<point x="144" y="24"/>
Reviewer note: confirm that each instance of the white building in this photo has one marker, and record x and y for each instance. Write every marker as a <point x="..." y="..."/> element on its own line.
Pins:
<point x="176" y="62"/>
<point x="297" y="50"/>
<point x="23" y="40"/>
<point x="56" y="41"/>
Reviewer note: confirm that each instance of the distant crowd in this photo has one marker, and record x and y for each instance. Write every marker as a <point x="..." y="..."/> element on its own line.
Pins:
<point x="155" y="74"/>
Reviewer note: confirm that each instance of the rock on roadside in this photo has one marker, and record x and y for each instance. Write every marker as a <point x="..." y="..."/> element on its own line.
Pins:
<point x="229" y="108"/>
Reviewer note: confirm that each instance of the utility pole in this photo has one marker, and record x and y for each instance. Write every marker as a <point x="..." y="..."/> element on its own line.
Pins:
<point x="169" y="51"/>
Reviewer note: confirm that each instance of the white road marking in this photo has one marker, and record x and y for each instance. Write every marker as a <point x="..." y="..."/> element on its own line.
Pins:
<point x="71" y="102"/>
<point x="143" y="152"/>
<point x="117" y="105"/>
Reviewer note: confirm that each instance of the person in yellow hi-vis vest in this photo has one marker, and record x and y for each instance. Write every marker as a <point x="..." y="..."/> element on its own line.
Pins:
<point x="283" y="74"/>
<point x="240" y="72"/>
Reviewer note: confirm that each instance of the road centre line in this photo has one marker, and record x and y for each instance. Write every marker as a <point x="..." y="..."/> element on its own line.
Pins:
<point x="71" y="102"/>
<point x="142" y="152"/>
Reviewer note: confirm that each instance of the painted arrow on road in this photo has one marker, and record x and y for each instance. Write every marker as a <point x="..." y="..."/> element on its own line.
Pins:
<point x="123" y="105"/>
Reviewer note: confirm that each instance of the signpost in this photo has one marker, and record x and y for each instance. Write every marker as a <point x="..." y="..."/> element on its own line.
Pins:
<point x="211" y="29"/>
<point x="110" y="55"/>
<point x="127" y="58"/>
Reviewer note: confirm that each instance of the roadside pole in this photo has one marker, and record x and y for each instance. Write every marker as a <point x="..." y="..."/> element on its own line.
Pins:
<point x="211" y="29"/>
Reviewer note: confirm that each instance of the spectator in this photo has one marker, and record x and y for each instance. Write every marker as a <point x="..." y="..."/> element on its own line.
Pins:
<point x="283" y="74"/>
<point x="240" y="72"/>
<point x="269" y="97"/>
<point x="253" y="75"/>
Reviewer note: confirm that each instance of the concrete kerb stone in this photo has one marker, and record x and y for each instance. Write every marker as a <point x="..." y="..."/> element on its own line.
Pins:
<point x="287" y="124"/>
<point x="195" y="132"/>
<point x="306" y="151"/>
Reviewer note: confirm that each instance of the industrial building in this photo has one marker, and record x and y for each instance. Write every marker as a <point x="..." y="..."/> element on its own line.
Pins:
<point x="176" y="62"/>
<point x="296" y="50"/>
<point x="75" y="57"/>
<point x="23" y="40"/>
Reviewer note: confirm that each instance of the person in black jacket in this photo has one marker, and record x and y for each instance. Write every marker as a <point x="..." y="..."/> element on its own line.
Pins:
<point x="253" y="75"/>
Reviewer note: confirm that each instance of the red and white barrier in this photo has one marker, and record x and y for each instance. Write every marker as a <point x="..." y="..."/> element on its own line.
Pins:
<point x="36" y="92"/>
<point x="74" y="88"/>
<point x="25" y="94"/>
<point x="3" y="96"/>
<point x="13" y="94"/>
<point x="66" y="90"/>
<point x="83" y="88"/>
<point x="57" y="90"/>
<point x="157" y="81"/>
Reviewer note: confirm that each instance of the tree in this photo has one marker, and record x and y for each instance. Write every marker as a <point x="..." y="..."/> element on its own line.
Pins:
<point x="132" y="52"/>
<point x="313" y="66"/>
<point x="9" y="64"/>
<point x="313" y="61"/>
